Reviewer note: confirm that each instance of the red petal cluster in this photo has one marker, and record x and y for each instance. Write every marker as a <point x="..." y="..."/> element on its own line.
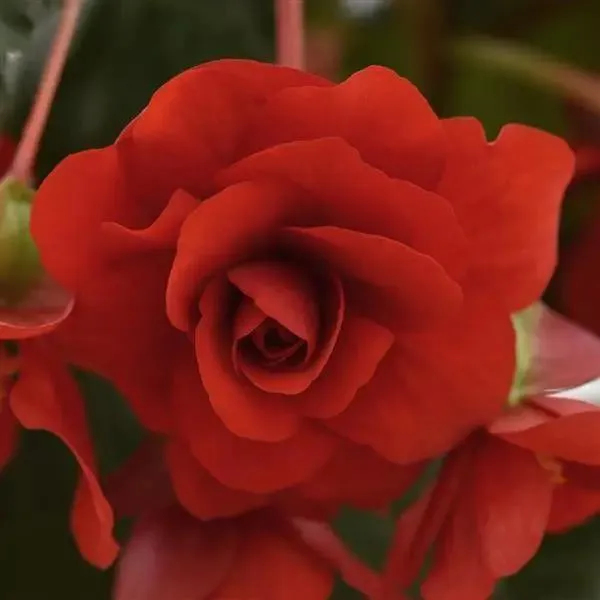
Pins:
<point x="306" y="290"/>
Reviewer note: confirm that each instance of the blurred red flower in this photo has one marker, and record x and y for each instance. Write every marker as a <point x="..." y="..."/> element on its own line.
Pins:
<point x="172" y="555"/>
<point x="579" y="280"/>
<point x="533" y="471"/>
<point x="293" y="279"/>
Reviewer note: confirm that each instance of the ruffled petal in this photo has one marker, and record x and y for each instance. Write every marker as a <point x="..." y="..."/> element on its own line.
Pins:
<point x="46" y="397"/>
<point x="196" y="123"/>
<point x="246" y="411"/>
<point x="68" y="246"/>
<point x="119" y="326"/>
<point x="367" y="201"/>
<point x="199" y="492"/>
<point x="361" y="346"/>
<point x="433" y="388"/>
<point x="242" y="464"/>
<point x="246" y="217"/>
<point x="359" y="477"/>
<point x="381" y="114"/>
<point x="507" y="196"/>
<point x="414" y="287"/>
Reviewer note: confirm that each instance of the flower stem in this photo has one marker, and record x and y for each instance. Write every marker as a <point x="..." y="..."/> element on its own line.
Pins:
<point x="23" y="164"/>
<point x="290" y="32"/>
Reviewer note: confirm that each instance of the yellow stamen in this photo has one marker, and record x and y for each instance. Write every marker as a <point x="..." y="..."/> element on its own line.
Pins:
<point x="553" y="467"/>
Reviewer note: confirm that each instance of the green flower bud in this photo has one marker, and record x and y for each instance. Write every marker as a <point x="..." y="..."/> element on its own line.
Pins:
<point x="525" y="324"/>
<point x="20" y="267"/>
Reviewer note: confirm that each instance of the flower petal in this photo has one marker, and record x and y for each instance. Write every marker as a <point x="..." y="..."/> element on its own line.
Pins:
<point x="368" y="201"/>
<point x="564" y="355"/>
<point x="119" y="326"/>
<point x="246" y="411"/>
<point x="195" y="123"/>
<point x="42" y="310"/>
<point x="572" y="506"/>
<point x="46" y="397"/>
<point x="280" y="384"/>
<point x="245" y="215"/>
<point x="569" y="436"/>
<point x="420" y="403"/>
<point x="200" y="493"/>
<point x="419" y="526"/>
<point x="417" y="288"/>
<point x="272" y="565"/>
<point x="360" y="348"/>
<point x="383" y="115"/>
<point x="507" y="196"/>
<point x="162" y="234"/>
<point x="172" y="555"/>
<point x="359" y="477"/>
<point x="242" y="464"/>
<point x="283" y="292"/>
<point x="458" y="572"/>
<point x="100" y="177"/>
<point x="513" y="494"/>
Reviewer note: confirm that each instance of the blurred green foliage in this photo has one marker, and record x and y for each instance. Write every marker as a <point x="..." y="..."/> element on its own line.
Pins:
<point x="123" y="51"/>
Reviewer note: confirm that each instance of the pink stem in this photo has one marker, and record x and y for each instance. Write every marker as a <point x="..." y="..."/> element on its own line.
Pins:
<point x="290" y="33"/>
<point x="26" y="153"/>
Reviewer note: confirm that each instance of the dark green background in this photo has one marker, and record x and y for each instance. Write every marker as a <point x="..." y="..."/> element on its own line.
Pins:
<point x="123" y="51"/>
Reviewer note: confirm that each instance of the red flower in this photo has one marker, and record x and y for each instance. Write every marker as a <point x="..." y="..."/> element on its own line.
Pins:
<point x="38" y="392"/>
<point x="289" y="278"/>
<point x="36" y="387"/>
<point x="173" y="556"/>
<point x="536" y="470"/>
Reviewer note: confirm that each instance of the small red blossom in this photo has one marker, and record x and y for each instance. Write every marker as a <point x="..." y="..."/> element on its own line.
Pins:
<point x="37" y="392"/>
<point x="173" y="556"/>
<point x="290" y="279"/>
<point x="536" y="470"/>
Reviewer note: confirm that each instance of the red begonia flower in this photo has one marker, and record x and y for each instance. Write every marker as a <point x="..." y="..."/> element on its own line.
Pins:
<point x="284" y="275"/>
<point x="173" y="556"/>
<point x="38" y="392"/>
<point x="536" y="470"/>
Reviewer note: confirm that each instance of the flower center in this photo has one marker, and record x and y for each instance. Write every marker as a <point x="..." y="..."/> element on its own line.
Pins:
<point x="271" y="345"/>
<point x="554" y="468"/>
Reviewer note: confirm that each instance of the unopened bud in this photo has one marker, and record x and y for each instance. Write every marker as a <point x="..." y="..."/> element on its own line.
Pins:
<point x="20" y="266"/>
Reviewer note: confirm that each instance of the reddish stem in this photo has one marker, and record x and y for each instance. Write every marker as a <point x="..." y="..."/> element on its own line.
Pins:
<point x="26" y="153"/>
<point x="290" y="32"/>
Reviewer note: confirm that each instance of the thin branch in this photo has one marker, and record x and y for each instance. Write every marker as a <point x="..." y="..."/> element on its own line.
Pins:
<point x="23" y="164"/>
<point x="290" y="32"/>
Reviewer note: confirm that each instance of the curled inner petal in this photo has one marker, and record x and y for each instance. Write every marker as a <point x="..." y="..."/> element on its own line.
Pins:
<point x="282" y="338"/>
